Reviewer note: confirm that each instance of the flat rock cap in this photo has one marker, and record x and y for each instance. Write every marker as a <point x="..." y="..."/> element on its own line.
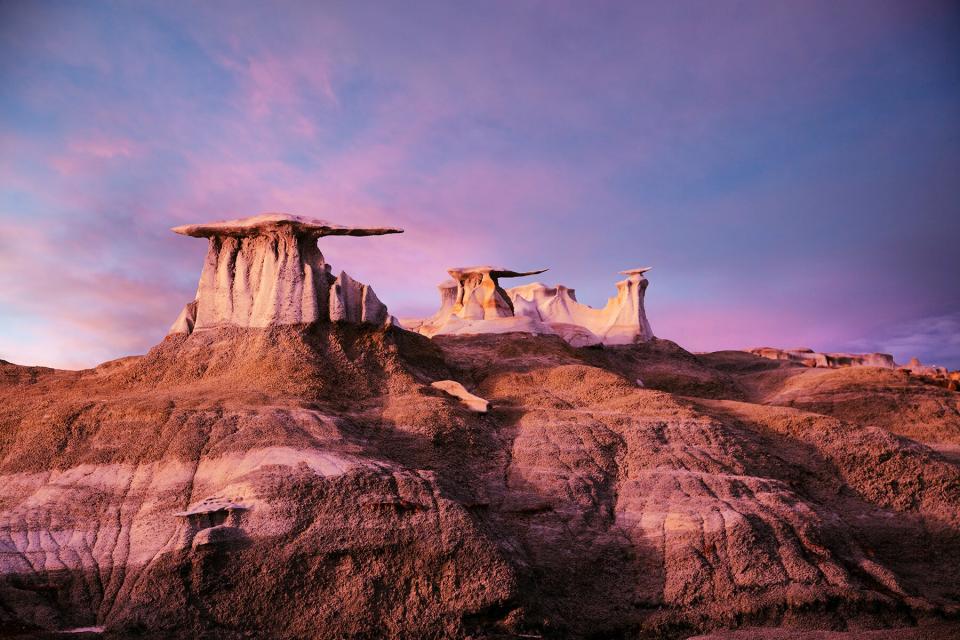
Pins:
<point x="636" y="272"/>
<point x="495" y="272"/>
<point x="266" y="222"/>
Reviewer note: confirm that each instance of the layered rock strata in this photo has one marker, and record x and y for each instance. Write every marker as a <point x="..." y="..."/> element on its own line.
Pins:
<point x="933" y="374"/>
<point x="267" y="270"/>
<point x="309" y="481"/>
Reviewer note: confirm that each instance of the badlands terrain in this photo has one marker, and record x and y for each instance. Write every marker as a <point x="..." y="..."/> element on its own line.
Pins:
<point x="282" y="465"/>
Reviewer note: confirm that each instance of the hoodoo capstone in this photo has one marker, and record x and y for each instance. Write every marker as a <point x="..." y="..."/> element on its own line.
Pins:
<point x="267" y="269"/>
<point x="474" y="302"/>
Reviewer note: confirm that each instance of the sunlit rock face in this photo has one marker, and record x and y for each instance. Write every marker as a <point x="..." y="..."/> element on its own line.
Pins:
<point x="479" y="294"/>
<point x="267" y="270"/>
<point x="473" y="302"/>
<point x="622" y="321"/>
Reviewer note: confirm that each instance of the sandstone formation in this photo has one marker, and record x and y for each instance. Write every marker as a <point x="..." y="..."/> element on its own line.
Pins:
<point x="473" y="303"/>
<point x="622" y="321"/>
<point x="917" y="368"/>
<point x="267" y="270"/>
<point x="939" y="376"/>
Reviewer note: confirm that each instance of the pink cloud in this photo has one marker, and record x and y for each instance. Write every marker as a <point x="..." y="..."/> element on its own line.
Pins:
<point x="92" y="155"/>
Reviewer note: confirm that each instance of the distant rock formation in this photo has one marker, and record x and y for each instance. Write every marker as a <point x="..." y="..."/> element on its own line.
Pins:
<point x="917" y="368"/>
<point x="622" y="321"/>
<point x="933" y="374"/>
<point x="473" y="302"/>
<point x="810" y="358"/>
<point x="267" y="270"/>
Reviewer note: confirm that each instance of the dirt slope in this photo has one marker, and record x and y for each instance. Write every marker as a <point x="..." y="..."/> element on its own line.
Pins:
<point x="307" y="482"/>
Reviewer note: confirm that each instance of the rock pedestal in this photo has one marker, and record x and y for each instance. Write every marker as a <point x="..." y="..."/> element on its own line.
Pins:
<point x="267" y="270"/>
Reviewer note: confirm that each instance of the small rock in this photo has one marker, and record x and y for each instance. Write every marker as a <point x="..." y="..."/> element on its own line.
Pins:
<point x="457" y="390"/>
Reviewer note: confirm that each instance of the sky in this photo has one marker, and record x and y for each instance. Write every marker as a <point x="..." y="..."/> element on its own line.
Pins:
<point x="791" y="170"/>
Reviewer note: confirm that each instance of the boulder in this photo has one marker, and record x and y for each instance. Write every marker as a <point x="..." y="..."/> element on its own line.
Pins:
<point x="457" y="390"/>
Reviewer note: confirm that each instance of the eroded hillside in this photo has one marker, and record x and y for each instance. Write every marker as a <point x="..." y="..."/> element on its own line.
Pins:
<point x="306" y="481"/>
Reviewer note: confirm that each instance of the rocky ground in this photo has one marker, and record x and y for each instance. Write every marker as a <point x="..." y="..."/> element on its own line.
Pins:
<point x="309" y="482"/>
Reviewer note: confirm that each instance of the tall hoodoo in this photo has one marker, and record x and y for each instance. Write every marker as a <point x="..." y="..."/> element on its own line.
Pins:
<point x="267" y="269"/>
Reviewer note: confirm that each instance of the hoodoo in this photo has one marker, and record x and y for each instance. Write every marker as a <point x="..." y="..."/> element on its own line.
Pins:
<point x="473" y="302"/>
<point x="267" y="269"/>
<point x="479" y="295"/>
<point x="622" y="321"/>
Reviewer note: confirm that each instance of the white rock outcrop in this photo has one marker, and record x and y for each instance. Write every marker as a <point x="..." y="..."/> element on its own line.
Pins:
<point x="457" y="390"/>
<point x="473" y="302"/>
<point x="622" y="321"/>
<point x="267" y="269"/>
